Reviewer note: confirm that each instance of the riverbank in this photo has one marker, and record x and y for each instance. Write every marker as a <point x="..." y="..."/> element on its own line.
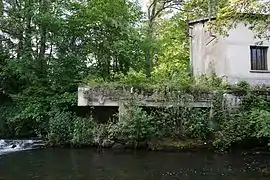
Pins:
<point x="177" y="126"/>
<point x="174" y="145"/>
<point x="162" y="145"/>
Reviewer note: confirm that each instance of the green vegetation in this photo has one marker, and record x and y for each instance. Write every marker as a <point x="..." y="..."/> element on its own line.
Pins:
<point x="49" y="48"/>
<point x="172" y="127"/>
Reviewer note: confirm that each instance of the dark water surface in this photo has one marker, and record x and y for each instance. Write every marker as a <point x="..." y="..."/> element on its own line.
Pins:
<point x="65" y="164"/>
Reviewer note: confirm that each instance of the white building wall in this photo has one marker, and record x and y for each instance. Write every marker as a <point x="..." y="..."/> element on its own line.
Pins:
<point x="207" y="52"/>
<point x="227" y="57"/>
<point x="238" y="55"/>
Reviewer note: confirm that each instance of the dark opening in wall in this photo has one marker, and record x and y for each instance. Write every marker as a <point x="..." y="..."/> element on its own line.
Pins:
<point x="104" y="113"/>
<point x="83" y="111"/>
<point x="101" y="114"/>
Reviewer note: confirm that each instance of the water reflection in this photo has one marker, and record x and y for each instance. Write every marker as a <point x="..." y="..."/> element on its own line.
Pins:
<point x="64" y="164"/>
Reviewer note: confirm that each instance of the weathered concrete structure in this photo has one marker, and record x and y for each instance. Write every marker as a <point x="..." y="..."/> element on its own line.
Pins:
<point x="100" y="97"/>
<point x="88" y="96"/>
<point x="238" y="57"/>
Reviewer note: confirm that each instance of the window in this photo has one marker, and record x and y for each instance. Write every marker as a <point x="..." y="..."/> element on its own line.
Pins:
<point x="258" y="56"/>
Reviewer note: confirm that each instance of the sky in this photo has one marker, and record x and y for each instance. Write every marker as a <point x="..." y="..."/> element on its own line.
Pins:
<point x="143" y="4"/>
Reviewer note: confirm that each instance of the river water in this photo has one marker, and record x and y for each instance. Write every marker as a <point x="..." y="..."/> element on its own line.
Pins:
<point x="87" y="164"/>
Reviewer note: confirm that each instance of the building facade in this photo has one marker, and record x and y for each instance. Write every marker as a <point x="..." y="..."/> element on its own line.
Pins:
<point x="237" y="57"/>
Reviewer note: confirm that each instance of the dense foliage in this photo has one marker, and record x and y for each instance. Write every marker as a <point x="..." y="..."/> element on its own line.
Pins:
<point x="49" y="48"/>
<point x="222" y="126"/>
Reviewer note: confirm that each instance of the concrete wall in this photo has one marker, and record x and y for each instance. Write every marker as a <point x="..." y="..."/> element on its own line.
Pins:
<point x="99" y="97"/>
<point x="207" y="51"/>
<point x="228" y="57"/>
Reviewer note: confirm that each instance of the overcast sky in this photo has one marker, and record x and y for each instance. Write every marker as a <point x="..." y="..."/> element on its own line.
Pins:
<point x="143" y="4"/>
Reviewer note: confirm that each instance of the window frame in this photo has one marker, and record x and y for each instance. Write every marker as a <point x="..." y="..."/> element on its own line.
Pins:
<point x="264" y="58"/>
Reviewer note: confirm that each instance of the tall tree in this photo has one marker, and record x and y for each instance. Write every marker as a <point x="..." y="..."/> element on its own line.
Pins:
<point x="173" y="52"/>
<point x="255" y="13"/>
<point x="108" y="34"/>
<point x="197" y="9"/>
<point x="155" y="10"/>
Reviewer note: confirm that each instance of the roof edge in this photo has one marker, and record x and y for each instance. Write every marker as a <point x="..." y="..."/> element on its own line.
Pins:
<point x="201" y="20"/>
<point x="243" y="14"/>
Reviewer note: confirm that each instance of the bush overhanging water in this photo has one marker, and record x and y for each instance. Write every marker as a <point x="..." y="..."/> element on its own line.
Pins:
<point x="54" y="118"/>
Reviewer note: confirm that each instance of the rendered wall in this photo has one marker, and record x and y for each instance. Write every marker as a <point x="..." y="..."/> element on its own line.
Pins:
<point x="227" y="57"/>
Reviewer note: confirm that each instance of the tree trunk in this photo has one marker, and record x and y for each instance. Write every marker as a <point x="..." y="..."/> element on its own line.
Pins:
<point x="42" y="49"/>
<point x="1" y="14"/>
<point x="155" y="9"/>
<point x="20" y="45"/>
<point x="28" y="31"/>
<point x="43" y="37"/>
<point x="148" y="53"/>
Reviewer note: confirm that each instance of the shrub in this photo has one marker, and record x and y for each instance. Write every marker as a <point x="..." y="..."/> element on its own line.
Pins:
<point x="196" y="124"/>
<point x="61" y="128"/>
<point x="261" y="120"/>
<point x="242" y="126"/>
<point x="67" y="129"/>
<point x="103" y="133"/>
<point x="83" y="132"/>
<point x="184" y="122"/>
<point x="4" y="115"/>
<point x="135" y="125"/>
<point x="254" y="101"/>
<point x="237" y="128"/>
<point x="31" y="116"/>
<point x="11" y="124"/>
